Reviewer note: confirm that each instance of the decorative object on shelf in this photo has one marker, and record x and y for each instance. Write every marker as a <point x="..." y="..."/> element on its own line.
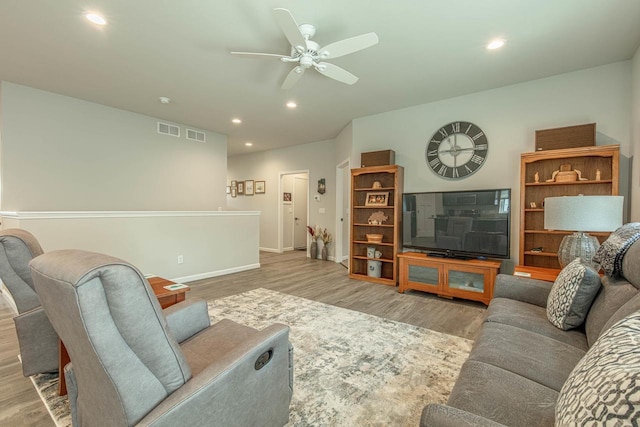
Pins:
<point x="374" y="268"/>
<point x="377" y="199"/>
<point x="533" y="205"/>
<point x="566" y="174"/>
<point x="326" y="238"/>
<point x="378" y="158"/>
<point x="581" y="214"/>
<point x="322" y="186"/>
<point x="377" y="218"/>
<point x="248" y="187"/>
<point x="260" y="187"/>
<point x="536" y="177"/>
<point x="313" y="247"/>
<point x="376" y="185"/>
<point x="457" y="150"/>
<point x="286" y="197"/>
<point x="598" y="174"/>
<point x="538" y="249"/>
<point x="241" y="187"/>
<point x="374" y="238"/>
<point x="566" y="137"/>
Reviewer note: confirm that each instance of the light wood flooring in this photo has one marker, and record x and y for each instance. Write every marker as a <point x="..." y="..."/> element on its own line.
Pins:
<point x="290" y="273"/>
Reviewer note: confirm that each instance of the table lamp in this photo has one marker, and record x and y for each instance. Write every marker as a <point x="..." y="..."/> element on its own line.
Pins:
<point x="581" y="214"/>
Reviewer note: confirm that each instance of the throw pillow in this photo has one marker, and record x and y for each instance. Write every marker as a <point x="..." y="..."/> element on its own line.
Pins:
<point x="604" y="387"/>
<point x="610" y="254"/>
<point x="572" y="294"/>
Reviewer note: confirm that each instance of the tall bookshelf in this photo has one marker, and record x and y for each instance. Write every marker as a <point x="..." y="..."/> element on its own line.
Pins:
<point x="390" y="179"/>
<point x="539" y="247"/>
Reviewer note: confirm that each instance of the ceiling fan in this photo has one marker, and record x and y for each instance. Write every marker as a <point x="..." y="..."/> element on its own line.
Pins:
<point x="307" y="53"/>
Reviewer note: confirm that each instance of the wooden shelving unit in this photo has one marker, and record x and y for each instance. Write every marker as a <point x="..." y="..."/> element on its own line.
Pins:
<point x="391" y="178"/>
<point x="587" y="160"/>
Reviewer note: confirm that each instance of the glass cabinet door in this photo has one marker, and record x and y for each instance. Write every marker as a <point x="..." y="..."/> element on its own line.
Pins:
<point x="466" y="281"/>
<point x="424" y="275"/>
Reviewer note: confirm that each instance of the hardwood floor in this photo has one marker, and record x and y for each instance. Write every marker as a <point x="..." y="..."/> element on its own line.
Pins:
<point x="290" y="273"/>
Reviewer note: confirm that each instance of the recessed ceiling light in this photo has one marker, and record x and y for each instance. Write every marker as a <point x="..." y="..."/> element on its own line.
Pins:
<point x="96" y="19"/>
<point x="291" y="104"/>
<point x="495" y="44"/>
<point x="249" y="144"/>
<point x="236" y="121"/>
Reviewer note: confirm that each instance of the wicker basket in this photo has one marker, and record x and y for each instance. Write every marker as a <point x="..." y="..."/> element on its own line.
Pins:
<point x="374" y="238"/>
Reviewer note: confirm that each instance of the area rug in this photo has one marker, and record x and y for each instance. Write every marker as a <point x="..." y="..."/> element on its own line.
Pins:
<point x="351" y="369"/>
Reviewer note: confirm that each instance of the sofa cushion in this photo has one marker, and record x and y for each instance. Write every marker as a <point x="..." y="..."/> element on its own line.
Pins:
<point x="532" y="318"/>
<point x="572" y="294"/>
<point x="611" y="253"/>
<point x="604" y="387"/>
<point x="614" y="293"/>
<point x="502" y="396"/>
<point x="537" y="358"/>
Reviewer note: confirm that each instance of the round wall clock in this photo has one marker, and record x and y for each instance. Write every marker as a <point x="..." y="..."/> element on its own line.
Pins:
<point x="457" y="150"/>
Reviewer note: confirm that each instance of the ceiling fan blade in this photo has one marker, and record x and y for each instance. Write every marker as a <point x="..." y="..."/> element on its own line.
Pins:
<point x="347" y="46"/>
<point x="293" y="77"/>
<point x="259" y="54"/>
<point x="290" y="29"/>
<point x="336" y="73"/>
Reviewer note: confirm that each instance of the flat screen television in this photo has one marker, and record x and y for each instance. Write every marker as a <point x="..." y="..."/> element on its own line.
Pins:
<point x="463" y="224"/>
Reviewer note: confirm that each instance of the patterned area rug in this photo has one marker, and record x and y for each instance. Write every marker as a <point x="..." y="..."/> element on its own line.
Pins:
<point x="351" y="369"/>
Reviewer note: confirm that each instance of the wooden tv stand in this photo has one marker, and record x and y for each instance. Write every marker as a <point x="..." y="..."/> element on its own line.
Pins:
<point x="448" y="277"/>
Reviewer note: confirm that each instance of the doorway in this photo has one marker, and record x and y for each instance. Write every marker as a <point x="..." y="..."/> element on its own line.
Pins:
<point x="293" y="210"/>
<point x="343" y="211"/>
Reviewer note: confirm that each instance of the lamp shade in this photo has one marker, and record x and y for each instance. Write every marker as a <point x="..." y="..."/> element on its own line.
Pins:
<point x="583" y="213"/>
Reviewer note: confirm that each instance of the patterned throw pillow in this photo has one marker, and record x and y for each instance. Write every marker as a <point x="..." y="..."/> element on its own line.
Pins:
<point x="610" y="254"/>
<point x="572" y="294"/>
<point x="604" y="387"/>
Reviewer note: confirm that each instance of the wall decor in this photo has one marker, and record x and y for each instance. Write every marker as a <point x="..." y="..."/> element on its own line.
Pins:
<point x="228" y="190"/>
<point x="241" y="187"/>
<point x="322" y="186"/>
<point x="286" y="197"/>
<point x="248" y="187"/>
<point x="234" y="191"/>
<point x="260" y="187"/>
<point x="379" y="198"/>
<point x="234" y="183"/>
<point x="457" y="150"/>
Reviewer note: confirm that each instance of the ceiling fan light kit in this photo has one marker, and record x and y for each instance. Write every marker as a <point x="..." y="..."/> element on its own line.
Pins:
<point x="308" y="53"/>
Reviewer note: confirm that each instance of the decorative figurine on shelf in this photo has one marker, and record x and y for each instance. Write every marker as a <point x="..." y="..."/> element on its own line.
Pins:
<point x="377" y="218"/>
<point x="376" y="184"/>
<point x="538" y="249"/>
<point x="533" y="205"/>
<point x="597" y="174"/>
<point x="536" y="177"/>
<point x="566" y="174"/>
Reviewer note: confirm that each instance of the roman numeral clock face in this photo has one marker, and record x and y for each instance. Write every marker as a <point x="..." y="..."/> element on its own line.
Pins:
<point x="457" y="150"/>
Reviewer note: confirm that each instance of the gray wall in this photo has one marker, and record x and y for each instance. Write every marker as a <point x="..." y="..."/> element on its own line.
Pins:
<point x="635" y="135"/>
<point x="64" y="154"/>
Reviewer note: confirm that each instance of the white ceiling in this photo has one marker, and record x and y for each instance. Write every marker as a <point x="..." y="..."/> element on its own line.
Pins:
<point x="429" y="50"/>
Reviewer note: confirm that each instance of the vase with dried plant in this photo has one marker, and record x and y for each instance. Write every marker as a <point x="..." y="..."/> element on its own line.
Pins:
<point x="326" y="238"/>
<point x="313" y="247"/>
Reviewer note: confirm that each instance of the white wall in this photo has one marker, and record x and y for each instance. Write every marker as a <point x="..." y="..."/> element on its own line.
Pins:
<point x="63" y="154"/>
<point x="509" y="116"/>
<point x="635" y="135"/>
<point x="317" y="157"/>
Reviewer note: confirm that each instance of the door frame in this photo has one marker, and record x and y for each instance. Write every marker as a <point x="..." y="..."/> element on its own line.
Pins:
<point x="340" y="191"/>
<point x="280" y="213"/>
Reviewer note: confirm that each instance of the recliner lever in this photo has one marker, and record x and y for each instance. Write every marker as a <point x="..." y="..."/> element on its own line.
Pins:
<point x="263" y="359"/>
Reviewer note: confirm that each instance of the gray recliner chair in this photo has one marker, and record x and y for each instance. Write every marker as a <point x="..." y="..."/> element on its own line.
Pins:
<point x="133" y="364"/>
<point x="37" y="339"/>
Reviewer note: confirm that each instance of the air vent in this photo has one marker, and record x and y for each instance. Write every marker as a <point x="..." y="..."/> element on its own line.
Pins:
<point x="169" y="129"/>
<point x="196" y="135"/>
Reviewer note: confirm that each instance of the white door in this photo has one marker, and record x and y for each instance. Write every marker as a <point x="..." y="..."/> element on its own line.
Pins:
<point x="300" y="192"/>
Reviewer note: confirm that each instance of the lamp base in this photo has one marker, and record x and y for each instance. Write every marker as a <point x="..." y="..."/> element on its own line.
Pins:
<point x="578" y="245"/>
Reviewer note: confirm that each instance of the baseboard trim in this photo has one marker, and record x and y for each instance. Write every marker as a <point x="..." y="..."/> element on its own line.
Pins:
<point x="275" y="251"/>
<point x="217" y="273"/>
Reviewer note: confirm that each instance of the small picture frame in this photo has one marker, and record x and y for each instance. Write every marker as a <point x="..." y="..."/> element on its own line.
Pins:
<point x="286" y="197"/>
<point x="228" y="190"/>
<point x="234" y="191"/>
<point x="248" y="187"/>
<point x="260" y="187"/>
<point x="378" y="198"/>
<point x="241" y="187"/>
<point x="533" y="205"/>
<point x="234" y="183"/>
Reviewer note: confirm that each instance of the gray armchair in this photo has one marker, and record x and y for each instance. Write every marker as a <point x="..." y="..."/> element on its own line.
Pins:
<point x="128" y="366"/>
<point x="37" y="339"/>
